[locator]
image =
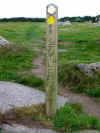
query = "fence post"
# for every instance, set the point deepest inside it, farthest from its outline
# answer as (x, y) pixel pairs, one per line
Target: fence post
(51, 60)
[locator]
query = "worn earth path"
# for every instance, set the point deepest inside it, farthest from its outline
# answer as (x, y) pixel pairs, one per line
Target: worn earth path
(89, 104)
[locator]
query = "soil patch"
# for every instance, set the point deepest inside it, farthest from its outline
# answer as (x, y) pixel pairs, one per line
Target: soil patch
(39, 69)
(66, 42)
(90, 106)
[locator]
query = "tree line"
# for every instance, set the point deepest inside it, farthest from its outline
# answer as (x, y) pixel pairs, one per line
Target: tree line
(22, 19)
(93, 19)
(72, 19)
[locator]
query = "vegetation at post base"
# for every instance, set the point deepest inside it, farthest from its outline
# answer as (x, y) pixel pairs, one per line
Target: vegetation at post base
(71, 118)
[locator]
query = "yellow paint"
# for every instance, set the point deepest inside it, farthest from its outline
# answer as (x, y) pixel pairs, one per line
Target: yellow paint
(51, 20)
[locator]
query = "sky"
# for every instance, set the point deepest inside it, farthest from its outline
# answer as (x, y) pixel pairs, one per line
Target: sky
(37, 8)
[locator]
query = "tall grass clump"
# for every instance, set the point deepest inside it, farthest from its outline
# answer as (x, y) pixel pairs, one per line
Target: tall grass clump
(69, 119)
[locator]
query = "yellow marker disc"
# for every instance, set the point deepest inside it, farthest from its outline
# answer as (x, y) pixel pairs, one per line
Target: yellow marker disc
(51, 20)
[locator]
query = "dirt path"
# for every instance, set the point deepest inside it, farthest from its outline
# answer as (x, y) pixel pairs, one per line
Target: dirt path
(90, 106)
(39, 70)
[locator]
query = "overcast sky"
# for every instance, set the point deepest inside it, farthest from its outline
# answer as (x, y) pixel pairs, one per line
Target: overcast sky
(37, 8)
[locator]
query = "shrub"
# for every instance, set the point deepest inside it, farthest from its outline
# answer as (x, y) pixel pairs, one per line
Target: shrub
(89, 122)
(68, 119)
(94, 92)
(32, 80)
(77, 107)
(79, 82)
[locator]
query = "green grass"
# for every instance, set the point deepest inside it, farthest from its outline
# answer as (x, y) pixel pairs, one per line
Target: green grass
(22, 32)
(73, 79)
(94, 92)
(15, 62)
(32, 80)
(72, 118)
(82, 44)
(16, 58)
(1, 130)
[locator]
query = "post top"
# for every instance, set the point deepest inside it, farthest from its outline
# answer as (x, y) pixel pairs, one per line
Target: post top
(52, 4)
(51, 8)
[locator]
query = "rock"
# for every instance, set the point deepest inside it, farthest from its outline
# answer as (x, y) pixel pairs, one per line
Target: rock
(3, 42)
(22, 129)
(89, 69)
(15, 128)
(64, 23)
(83, 68)
(16, 95)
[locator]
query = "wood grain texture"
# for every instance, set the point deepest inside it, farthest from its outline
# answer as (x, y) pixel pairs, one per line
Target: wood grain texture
(51, 66)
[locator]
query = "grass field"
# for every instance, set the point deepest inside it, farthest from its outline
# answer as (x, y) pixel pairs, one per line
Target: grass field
(81, 42)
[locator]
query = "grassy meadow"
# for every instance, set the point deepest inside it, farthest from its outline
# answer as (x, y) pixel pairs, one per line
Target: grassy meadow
(81, 44)
(80, 41)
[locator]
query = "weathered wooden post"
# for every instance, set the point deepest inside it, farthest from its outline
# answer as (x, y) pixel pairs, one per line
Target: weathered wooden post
(51, 60)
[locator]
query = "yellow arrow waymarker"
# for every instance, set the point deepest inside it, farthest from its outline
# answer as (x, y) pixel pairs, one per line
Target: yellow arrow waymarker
(51, 20)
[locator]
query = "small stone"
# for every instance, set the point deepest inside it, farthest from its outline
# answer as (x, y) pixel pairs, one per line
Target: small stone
(89, 69)
(3, 42)
(83, 68)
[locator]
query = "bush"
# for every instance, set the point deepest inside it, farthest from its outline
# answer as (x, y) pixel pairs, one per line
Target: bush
(68, 119)
(32, 80)
(79, 82)
(94, 92)
(1, 130)
(77, 107)
(6, 75)
(89, 122)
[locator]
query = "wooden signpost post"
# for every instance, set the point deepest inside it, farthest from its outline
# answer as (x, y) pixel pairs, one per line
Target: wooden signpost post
(51, 60)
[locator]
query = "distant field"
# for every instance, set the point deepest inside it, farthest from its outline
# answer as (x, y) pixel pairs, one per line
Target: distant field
(84, 37)
(81, 42)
